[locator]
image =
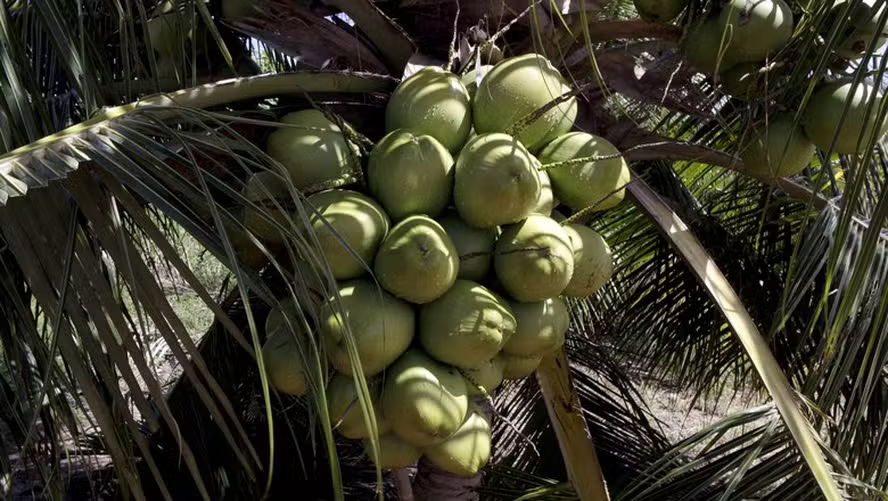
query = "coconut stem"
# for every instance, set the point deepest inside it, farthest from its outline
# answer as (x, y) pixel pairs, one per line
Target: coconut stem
(401, 479)
(590, 209)
(596, 158)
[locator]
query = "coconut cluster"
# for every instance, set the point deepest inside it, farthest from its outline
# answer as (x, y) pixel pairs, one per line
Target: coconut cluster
(733, 44)
(451, 268)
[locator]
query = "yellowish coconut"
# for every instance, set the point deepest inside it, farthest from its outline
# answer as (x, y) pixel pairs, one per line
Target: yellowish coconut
(284, 362)
(315, 151)
(380, 324)
(349, 227)
(593, 261)
(533, 259)
(519, 366)
(432, 101)
(599, 182)
(410, 174)
(487, 375)
(417, 261)
(474, 245)
(467, 450)
(496, 181)
(777, 150)
(516, 88)
(465, 326)
(269, 192)
(541, 327)
(394, 452)
(825, 109)
(426, 400)
(345, 408)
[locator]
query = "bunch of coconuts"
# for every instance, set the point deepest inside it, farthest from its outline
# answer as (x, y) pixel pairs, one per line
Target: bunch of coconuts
(450, 261)
(733, 45)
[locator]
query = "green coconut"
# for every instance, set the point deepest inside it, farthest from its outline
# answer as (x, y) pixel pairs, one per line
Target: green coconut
(345, 408)
(742, 80)
(473, 77)
(487, 375)
(546, 202)
(269, 191)
(593, 261)
(236, 9)
(432, 101)
(284, 362)
(247, 251)
(490, 54)
(705, 47)
(394, 452)
(314, 152)
(660, 11)
(516, 88)
(349, 227)
(426, 400)
(417, 261)
(861, 27)
(287, 315)
(468, 450)
(167, 31)
(826, 107)
(519, 366)
(594, 183)
(778, 150)
(473, 245)
(380, 324)
(533, 259)
(410, 174)
(465, 326)
(496, 181)
(541, 327)
(757, 28)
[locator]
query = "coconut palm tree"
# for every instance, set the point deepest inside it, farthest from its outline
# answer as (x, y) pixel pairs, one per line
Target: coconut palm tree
(128, 123)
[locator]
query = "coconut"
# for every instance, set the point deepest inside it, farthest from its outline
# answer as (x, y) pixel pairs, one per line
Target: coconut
(826, 107)
(541, 327)
(473, 245)
(465, 326)
(660, 11)
(167, 31)
(861, 27)
(496, 181)
(417, 261)
(394, 452)
(516, 88)
(345, 408)
(487, 375)
(268, 190)
(757, 28)
(248, 253)
(432, 101)
(236, 9)
(705, 47)
(741, 81)
(468, 450)
(519, 366)
(593, 261)
(473, 77)
(284, 363)
(425, 399)
(380, 325)
(349, 227)
(546, 202)
(410, 174)
(314, 152)
(533, 259)
(778, 150)
(596, 183)
(490, 54)
(287, 315)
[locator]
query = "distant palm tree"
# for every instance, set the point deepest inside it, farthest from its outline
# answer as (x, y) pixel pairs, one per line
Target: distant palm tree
(122, 120)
